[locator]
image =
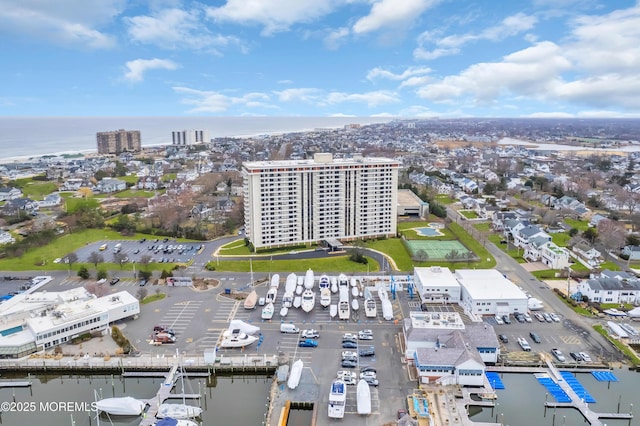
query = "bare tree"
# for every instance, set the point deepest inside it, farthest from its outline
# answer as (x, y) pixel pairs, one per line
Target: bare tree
(145, 259)
(71, 258)
(119, 258)
(95, 258)
(611, 234)
(96, 289)
(550, 217)
(141, 293)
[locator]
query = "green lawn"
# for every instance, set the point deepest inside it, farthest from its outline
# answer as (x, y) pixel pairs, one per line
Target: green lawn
(235, 248)
(394, 248)
(128, 178)
(444, 199)
(483, 227)
(36, 190)
(73, 204)
(469, 214)
(132, 193)
(580, 225)
(153, 298)
(612, 266)
(561, 239)
(332, 264)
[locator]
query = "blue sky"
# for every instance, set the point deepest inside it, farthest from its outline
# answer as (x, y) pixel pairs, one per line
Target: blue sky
(395, 58)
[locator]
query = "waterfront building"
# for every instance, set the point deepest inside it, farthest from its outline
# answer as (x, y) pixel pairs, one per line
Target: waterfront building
(436, 284)
(489, 292)
(307, 201)
(189, 137)
(37, 321)
(119, 141)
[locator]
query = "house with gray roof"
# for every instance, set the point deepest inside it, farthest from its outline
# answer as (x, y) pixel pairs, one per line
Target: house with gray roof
(605, 289)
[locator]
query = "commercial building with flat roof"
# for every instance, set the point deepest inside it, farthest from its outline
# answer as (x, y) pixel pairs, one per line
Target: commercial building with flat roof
(119, 141)
(489, 292)
(307, 201)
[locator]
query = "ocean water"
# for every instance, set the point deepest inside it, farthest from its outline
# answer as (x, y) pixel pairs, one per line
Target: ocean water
(22, 137)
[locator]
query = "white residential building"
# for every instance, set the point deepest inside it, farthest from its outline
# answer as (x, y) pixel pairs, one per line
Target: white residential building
(304, 201)
(488, 292)
(190, 137)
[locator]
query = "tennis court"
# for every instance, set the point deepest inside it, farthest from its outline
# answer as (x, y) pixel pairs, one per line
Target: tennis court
(436, 249)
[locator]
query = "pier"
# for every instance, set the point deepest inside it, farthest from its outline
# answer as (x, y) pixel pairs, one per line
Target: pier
(22, 384)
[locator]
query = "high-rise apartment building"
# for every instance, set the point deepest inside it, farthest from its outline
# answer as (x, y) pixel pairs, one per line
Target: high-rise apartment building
(301, 201)
(119, 141)
(189, 137)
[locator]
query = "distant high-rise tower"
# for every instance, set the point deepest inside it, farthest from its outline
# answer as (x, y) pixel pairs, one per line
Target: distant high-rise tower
(189, 137)
(119, 141)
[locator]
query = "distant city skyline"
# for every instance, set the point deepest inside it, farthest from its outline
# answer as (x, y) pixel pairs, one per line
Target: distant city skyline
(373, 58)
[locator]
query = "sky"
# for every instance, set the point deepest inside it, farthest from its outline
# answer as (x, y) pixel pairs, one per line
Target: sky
(386, 58)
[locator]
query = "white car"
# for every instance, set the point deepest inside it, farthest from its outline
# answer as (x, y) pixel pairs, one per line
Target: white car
(371, 375)
(310, 334)
(349, 336)
(558, 354)
(365, 335)
(554, 317)
(349, 355)
(527, 317)
(57, 260)
(499, 320)
(349, 377)
(585, 357)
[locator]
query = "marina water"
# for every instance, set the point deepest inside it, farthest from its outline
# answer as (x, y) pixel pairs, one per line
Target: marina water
(237, 400)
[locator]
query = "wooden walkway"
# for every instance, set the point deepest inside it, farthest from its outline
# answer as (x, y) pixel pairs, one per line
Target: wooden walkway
(164, 392)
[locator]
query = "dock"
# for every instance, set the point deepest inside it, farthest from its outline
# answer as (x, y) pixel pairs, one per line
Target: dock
(22, 384)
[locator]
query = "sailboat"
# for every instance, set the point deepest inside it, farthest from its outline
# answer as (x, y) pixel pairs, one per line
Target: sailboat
(179, 411)
(267, 311)
(308, 300)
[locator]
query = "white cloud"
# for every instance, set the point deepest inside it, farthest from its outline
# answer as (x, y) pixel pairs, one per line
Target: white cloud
(302, 94)
(273, 15)
(450, 45)
(67, 22)
(381, 73)
(391, 13)
(336, 37)
(372, 99)
(212, 101)
(176, 28)
(137, 68)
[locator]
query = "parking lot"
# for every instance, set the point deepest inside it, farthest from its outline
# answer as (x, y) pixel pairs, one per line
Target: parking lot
(159, 250)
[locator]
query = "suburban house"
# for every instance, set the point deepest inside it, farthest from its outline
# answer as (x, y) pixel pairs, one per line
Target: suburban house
(605, 289)
(631, 252)
(528, 234)
(6, 238)
(50, 200)
(587, 255)
(9, 193)
(109, 185)
(555, 257)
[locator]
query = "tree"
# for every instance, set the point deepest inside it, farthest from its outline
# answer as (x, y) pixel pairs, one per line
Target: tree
(145, 275)
(85, 192)
(101, 274)
(451, 256)
(573, 232)
(611, 234)
(83, 272)
(141, 293)
(632, 240)
(95, 258)
(119, 258)
(422, 255)
(590, 234)
(145, 259)
(71, 258)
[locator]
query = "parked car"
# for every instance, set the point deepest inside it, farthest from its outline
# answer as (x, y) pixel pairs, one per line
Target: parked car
(143, 283)
(163, 329)
(349, 355)
(519, 317)
(114, 281)
(558, 354)
(506, 319)
(308, 343)
(349, 336)
(348, 344)
(576, 356)
(371, 382)
(547, 317)
(365, 335)
(369, 374)
(554, 317)
(524, 344)
(499, 320)
(349, 363)
(539, 317)
(349, 377)
(310, 334)
(503, 338)
(535, 337)
(585, 357)
(366, 368)
(527, 317)
(370, 351)
(401, 413)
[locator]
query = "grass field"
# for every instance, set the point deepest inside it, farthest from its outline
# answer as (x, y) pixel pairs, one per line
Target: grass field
(333, 264)
(37, 189)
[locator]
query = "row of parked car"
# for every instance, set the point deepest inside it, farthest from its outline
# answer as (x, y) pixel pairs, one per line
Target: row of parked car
(526, 317)
(350, 341)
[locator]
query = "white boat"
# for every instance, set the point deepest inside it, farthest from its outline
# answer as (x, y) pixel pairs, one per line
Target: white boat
(178, 411)
(267, 311)
(534, 304)
(124, 406)
(343, 281)
(616, 329)
(168, 421)
(297, 302)
(308, 300)
(354, 292)
(354, 282)
(324, 282)
(243, 327)
(354, 304)
(387, 309)
(363, 397)
(334, 285)
(337, 399)
(284, 311)
(333, 311)
(275, 281)
(614, 312)
(236, 339)
(287, 300)
(370, 309)
(309, 279)
(343, 305)
(300, 280)
(296, 373)
(290, 284)
(325, 297)
(299, 290)
(251, 300)
(272, 295)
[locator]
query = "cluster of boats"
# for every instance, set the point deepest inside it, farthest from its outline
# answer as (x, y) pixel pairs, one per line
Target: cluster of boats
(299, 293)
(338, 398)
